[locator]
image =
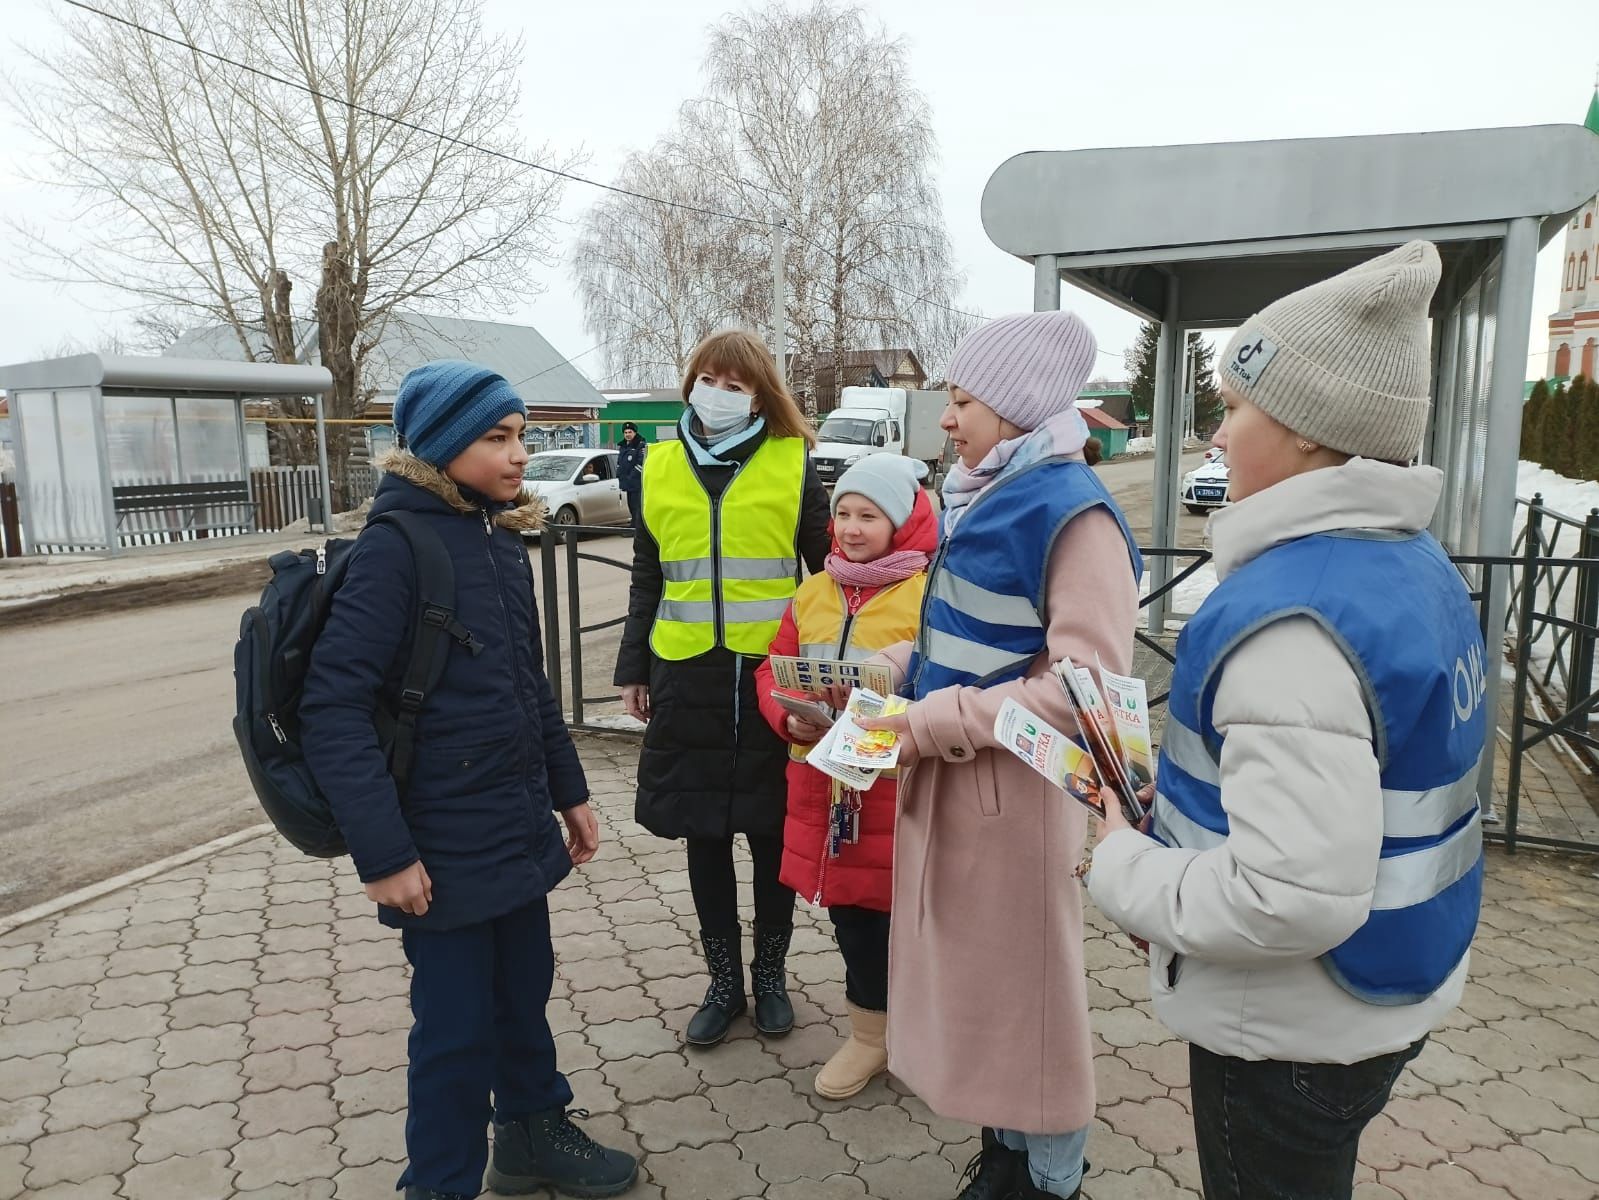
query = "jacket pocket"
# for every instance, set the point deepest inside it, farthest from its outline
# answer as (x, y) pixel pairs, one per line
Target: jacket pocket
(987, 784)
(1356, 1091)
(1165, 970)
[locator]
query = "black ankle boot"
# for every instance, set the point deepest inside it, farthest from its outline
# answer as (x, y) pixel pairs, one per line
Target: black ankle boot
(412, 1192)
(1026, 1189)
(995, 1171)
(774, 1015)
(547, 1150)
(724, 998)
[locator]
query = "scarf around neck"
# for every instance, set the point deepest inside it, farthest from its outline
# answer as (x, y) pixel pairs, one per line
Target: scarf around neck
(716, 454)
(1063, 434)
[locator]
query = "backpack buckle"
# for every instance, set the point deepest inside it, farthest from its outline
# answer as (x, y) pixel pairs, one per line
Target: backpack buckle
(411, 699)
(436, 617)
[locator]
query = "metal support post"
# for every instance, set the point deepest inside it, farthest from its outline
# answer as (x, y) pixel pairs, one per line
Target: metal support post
(1587, 615)
(1046, 283)
(323, 479)
(1168, 456)
(1513, 317)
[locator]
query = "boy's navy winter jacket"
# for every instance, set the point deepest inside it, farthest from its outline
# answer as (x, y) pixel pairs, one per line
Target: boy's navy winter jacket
(494, 760)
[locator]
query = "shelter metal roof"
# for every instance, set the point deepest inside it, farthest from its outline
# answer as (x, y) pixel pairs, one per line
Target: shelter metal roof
(125, 374)
(1239, 224)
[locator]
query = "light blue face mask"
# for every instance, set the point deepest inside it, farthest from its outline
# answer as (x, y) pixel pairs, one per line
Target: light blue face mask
(720, 412)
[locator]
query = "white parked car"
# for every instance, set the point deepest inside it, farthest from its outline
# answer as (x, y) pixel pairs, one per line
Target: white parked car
(579, 486)
(1206, 486)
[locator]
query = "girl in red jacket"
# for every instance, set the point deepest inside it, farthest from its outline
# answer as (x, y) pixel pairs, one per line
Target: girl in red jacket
(870, 596)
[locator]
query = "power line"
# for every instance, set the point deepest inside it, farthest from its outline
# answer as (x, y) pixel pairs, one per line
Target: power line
(556, 366)
(378, 114)
(400, 121)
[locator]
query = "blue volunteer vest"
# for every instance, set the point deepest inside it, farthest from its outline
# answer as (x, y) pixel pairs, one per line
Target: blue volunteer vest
(983, 614)
(1401, 614)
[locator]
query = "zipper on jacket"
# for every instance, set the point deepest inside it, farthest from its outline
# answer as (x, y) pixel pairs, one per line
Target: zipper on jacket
(505, 614)
(849, 621)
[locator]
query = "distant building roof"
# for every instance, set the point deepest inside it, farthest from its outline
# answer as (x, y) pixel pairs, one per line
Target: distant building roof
(538, 371)
(1098, 418)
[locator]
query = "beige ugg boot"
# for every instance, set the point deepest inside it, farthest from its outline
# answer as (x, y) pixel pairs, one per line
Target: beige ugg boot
(859, 1060)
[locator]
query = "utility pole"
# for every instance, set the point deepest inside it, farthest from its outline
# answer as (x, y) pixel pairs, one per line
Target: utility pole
(779, 298)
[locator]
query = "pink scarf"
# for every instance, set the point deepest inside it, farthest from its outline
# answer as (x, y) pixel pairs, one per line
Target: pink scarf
(880, 572)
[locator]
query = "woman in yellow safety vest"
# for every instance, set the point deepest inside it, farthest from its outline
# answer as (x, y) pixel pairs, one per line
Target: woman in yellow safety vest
(730, 508)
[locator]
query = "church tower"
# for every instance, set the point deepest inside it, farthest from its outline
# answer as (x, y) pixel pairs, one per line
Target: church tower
(1574, 329)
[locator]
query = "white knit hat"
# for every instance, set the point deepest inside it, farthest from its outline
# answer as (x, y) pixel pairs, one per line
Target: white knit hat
(887, 480)
(1347, 362)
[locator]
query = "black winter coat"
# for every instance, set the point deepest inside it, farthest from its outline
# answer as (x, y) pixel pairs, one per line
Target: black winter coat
(494, 759)
(710, 766)
(630, 464)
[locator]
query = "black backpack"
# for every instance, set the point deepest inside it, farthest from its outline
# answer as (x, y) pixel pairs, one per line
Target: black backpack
(274, 651)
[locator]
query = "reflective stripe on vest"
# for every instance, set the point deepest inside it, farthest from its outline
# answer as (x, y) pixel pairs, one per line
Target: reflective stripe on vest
(724, 582)
(982, 621)
(1411, 660)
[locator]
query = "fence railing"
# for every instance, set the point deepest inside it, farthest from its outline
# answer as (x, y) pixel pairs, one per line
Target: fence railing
(282, 495)
(1551, 631)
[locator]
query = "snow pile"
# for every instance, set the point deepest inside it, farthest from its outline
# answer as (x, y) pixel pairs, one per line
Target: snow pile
(1140, 446)
(1569, 497)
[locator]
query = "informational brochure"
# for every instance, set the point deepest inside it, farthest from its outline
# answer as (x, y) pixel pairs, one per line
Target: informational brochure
(867, 749)
(819, 674)
(1129, 713)
(1049, 752)
(820, 757)
(1098, 733)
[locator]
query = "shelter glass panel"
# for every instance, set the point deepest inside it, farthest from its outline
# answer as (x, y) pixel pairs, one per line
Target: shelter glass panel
(64, 494)
(208, 441)
(140, 440)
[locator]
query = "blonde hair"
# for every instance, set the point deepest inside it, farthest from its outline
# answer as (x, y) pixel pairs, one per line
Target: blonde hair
(742, 354)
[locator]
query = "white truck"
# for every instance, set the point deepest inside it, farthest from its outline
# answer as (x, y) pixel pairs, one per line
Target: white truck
(892, 420)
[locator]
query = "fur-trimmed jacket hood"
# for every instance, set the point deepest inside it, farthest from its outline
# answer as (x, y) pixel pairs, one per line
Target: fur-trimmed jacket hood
(526, 514)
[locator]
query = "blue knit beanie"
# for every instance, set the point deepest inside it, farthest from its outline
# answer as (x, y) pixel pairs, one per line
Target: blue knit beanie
(443, 407)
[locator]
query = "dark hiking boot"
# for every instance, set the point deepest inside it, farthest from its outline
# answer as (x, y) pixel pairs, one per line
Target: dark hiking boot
(724, 998)
(774, 1015)
(412, 1192)
(547, 1150)
(994, 1172)
(1026, 1189)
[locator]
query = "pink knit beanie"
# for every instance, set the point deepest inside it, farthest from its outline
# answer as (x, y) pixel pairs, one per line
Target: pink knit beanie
(1027, 367)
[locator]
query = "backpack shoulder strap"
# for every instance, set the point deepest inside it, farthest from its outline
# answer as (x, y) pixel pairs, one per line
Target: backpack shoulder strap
(433, 627)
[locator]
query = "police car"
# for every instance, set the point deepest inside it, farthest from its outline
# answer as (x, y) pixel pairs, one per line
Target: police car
(1206, 486)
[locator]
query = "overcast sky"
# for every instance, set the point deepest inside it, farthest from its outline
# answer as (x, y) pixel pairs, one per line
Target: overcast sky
(1002, 77)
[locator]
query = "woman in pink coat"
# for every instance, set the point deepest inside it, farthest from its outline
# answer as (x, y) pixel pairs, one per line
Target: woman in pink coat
(986, 949)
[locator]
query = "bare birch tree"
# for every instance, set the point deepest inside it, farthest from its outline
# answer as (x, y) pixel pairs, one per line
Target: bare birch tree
(809, 117)
(210, 192)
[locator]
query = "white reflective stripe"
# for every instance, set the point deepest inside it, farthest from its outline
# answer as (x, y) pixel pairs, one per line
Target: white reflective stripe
(759, 568)
(1410, 879)
(692, 611)
(1428, 813)
(995, 608)
(753, 612)
(1186, 749)
(685, 570)
(975, 658)
(1173, 827)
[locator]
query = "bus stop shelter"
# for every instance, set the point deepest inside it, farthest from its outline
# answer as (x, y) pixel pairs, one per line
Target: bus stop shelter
(1203, 236)
(116, 450)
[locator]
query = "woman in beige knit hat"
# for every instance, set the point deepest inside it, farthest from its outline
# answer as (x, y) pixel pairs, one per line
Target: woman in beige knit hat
(1310, 881)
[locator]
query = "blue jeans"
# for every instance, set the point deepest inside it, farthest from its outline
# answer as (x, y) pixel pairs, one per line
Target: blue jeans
(477, 995)
(1055, 1160)
(1286, 1130)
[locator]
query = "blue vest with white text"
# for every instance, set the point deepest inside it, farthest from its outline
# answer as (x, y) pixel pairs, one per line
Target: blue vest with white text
(983, 613)
(1400, 612)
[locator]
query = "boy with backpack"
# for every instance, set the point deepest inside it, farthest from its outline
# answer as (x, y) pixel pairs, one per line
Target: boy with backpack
(462, 861)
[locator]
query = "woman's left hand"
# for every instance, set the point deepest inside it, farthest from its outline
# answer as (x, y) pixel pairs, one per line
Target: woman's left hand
(900, 725)
(1115, 819)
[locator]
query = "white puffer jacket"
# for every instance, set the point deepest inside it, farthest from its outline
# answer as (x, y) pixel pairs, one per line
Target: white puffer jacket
(1235, 931)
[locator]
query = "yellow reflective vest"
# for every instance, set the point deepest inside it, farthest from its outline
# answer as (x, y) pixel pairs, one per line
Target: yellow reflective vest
(827, 630)
(728, 565)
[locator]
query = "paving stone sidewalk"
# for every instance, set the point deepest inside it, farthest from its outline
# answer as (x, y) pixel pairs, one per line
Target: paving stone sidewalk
(236, 1027)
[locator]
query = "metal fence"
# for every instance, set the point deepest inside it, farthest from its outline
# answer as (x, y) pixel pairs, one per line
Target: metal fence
(1551, 633)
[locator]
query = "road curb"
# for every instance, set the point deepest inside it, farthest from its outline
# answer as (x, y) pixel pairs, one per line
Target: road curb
(138, 875)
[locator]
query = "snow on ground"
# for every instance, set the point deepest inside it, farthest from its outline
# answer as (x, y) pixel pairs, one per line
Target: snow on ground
(1569, 497)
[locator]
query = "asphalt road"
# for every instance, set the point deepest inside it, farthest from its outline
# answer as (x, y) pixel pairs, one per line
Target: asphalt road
(115, 739)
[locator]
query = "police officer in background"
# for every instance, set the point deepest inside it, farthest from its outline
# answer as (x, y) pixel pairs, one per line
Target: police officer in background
(630, 467)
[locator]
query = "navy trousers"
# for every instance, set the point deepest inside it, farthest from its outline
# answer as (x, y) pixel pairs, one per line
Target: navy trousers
(477, 1000)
